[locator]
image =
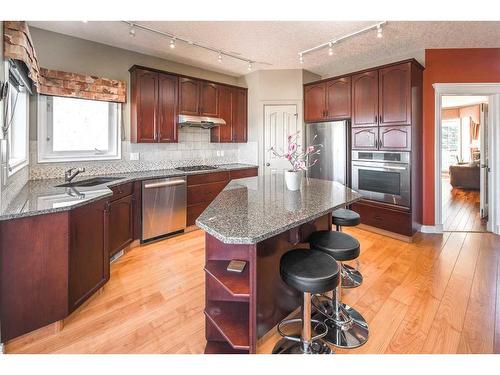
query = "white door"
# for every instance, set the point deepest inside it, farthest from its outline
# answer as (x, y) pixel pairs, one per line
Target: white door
(483, 150)
(279, 122)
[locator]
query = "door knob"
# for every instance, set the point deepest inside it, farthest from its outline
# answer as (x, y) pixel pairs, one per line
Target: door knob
(268, 164)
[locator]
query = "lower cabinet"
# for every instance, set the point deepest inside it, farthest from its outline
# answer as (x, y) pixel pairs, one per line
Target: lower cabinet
(88, 251)
(384, 217)
(121, 225)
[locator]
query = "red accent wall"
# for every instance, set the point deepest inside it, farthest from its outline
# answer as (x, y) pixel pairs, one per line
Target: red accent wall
(469, 65)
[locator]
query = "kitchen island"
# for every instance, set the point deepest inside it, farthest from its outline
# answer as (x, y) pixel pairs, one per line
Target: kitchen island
(257, 220)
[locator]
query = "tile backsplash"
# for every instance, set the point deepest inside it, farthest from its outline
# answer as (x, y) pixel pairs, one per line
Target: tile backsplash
(194, 147)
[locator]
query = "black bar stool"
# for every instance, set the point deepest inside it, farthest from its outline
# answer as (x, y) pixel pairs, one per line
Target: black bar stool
(351, 277)
(346, 327)
(309, 272)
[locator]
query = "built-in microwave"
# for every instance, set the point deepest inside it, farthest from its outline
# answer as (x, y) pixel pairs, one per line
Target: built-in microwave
(382, 176)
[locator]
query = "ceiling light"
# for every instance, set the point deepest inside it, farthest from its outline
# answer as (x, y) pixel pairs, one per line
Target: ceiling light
(379, 31)
(219, 58)
(330, 49)
(249, 65)
(131, 32)
(301, 58)
(172, 43)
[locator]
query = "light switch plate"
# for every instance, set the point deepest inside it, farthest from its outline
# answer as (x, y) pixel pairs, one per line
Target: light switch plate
(218, 152)
(134, 156)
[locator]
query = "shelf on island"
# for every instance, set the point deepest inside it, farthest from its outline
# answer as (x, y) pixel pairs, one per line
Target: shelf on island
(237, 284)
(218, 347)
(231, 320)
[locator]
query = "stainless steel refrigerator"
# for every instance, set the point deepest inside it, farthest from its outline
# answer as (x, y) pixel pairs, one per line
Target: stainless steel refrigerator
(333, 159)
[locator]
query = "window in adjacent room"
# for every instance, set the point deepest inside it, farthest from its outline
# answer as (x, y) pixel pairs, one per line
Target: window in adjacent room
(71, 129)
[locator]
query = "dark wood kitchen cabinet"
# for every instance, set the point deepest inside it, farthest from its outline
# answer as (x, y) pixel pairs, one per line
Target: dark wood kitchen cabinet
(365, 99)
(364, 138)
(315, 102)
(88, 251)
(233, 109)
(395, 95)
(209, 99)
(121, 225)
(189, 96)
(153, 108)
(394, 138)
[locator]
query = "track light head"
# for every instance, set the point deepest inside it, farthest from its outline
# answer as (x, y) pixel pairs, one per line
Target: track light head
(379, 31)
(301, 59)
(172, 43)
(330, 49)
(219, 58)
(249, 65)
(131, 32)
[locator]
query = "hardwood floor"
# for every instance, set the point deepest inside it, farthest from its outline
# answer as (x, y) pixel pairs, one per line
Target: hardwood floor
(461, 211)
(436, 295)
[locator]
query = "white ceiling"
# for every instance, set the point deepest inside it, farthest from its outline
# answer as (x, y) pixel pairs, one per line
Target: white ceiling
(462, 100)
(279, 42)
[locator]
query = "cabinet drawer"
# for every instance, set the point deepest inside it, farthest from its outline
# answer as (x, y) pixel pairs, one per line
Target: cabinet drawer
(204, 193)
(206, 178)
(242, 173)
(384, 218)
(194, 211)
(121, 191)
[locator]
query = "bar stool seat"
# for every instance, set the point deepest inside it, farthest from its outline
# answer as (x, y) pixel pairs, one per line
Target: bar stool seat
(345, 217)
(341, 246)
(310, 272)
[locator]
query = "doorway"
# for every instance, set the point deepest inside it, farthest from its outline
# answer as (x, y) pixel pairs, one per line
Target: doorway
(463, 153)
(467, 139)
(280, 120)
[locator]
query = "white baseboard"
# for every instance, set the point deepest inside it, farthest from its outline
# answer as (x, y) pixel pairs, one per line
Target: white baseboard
(431, 228)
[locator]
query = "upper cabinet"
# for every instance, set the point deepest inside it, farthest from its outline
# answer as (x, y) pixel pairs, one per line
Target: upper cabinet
(365, 99)
(395, 95)
(189, 96)
(158, 98)
(338, 98)
(153, 106)
(315, 102)
(330, 100)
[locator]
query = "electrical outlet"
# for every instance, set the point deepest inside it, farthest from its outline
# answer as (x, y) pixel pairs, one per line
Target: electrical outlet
(222, 153)
(218, 152)
(134, 156)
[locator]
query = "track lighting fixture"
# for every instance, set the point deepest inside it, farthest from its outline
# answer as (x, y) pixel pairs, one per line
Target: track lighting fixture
(332, 42)
(173, 39)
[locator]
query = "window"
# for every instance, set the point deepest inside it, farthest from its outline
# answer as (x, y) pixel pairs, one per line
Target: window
(16, 122)
(451, 143)
(72, 129)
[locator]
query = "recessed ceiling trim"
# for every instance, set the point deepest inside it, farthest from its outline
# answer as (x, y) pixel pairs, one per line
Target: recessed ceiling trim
(173, 38)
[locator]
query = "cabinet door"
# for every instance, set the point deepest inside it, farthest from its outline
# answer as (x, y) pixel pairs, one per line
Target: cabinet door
(189, 96)
(365, 99)
(167, 108)
(120, 228)
(395, 95)
(338, 98)
(88, 254)
(239, 115)
(364, 138)
(224, 133)
(209, 98)
(147, 99)
(397, 138)
(314, 102)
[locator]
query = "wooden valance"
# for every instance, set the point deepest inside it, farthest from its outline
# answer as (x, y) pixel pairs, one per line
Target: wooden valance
(18, 45)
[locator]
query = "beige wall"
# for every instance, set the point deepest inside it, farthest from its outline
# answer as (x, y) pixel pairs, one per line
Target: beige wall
(272, 87)
(67, 53)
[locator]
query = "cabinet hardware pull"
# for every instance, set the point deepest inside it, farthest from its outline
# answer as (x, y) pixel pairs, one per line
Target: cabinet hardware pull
(375, 119)
(163, 184)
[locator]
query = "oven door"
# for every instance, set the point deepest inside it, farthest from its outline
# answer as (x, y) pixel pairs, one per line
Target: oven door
(384, 182)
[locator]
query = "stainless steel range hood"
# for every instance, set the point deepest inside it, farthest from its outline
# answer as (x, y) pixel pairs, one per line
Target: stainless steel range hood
(200, 121)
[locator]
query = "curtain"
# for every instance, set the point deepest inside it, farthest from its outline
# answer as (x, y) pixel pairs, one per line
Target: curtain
(474, 130)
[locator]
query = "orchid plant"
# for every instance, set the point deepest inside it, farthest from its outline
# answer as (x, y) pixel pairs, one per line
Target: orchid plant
(299, 159)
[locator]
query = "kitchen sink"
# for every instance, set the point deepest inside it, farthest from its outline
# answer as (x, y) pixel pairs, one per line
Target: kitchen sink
(90, 182)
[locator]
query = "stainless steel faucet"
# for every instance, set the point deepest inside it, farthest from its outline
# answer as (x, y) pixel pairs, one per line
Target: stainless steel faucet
(69, 174)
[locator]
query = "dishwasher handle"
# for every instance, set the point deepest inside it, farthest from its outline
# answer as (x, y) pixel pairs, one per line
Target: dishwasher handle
(160, 184)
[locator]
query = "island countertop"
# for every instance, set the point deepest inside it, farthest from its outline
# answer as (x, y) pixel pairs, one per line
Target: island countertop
(254, 209)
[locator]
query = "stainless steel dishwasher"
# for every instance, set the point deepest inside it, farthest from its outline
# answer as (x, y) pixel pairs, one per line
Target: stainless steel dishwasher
(163, 207)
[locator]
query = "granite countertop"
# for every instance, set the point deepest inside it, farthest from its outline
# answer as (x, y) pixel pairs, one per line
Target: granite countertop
(39, 197)
(252, 209)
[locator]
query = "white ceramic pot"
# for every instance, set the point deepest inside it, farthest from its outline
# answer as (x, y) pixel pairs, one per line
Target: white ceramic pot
(293, 180)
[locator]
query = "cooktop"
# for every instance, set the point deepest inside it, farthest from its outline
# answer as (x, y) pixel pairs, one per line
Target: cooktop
(195, 168)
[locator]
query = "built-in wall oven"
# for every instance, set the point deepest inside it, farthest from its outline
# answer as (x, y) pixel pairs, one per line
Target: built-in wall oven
(382, 176)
